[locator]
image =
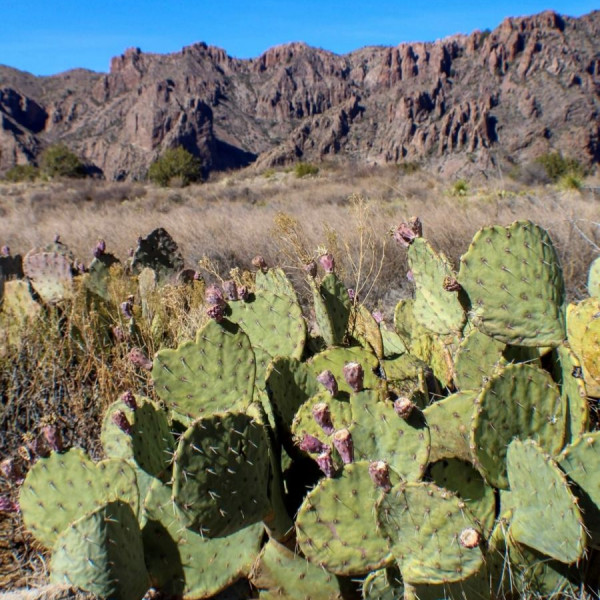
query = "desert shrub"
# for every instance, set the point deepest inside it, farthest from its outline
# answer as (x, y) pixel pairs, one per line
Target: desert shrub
(175, 166)
(59, 161)
(409, 167)
(556, 165)
(303, 169)
(460, 188)
(22, 173)
(570, 181)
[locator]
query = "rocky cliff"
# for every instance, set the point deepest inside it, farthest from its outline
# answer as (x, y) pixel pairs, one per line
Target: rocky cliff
(530, 86)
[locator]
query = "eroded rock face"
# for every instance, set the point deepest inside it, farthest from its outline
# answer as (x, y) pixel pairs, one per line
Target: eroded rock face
(530, 86)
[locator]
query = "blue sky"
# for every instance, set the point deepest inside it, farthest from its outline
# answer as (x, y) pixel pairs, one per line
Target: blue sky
(45, 37)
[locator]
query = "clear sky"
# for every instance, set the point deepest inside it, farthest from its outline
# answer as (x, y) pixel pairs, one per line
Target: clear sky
(50, 36)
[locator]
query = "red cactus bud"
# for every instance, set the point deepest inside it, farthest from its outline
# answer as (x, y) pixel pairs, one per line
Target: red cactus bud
(11, 470)
(404, 407)
(216, 312)
(260, 263)
(380, 474)
(243, 293)
(327, 262)
(325, 463)
(312, 444)
(322, 416)
(213, 296)
(129, 400)
(8, 506)
(100, 248)
(352, 295)
(53, 437)
(342, 440)
(451, 284)
(230, 290)
(405, 233)
(126, 309)
(139, 359)
(354, 375)
(469, 538)
(378, 316)
(120, 419)
(311, 269)
(327, 379)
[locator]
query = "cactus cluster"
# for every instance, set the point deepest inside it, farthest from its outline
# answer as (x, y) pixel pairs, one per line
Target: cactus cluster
(426, 459)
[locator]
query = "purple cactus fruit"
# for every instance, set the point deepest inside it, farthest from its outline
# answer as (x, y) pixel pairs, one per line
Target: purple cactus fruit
(5, 251)
(380, 474)
(8, 506)
(120, 419)
(327, 379)
(406, 233)
(230, 290)
(139, 359)
(197, 276)
(243, 293)
(260, 263)
(53, 438)
(213, 296)
(312, 444)
(311, 269)
(126, 309)
(410, 276)
(342, 440)
(378, 316)
(322, 416)
(216, 312)
(325, 463)
(451, 284)
(354, 375)
(129, 400)
(11, 470)
(327, 262)
(352, 295)
(404, 407)
(100, 248)
(469, 538)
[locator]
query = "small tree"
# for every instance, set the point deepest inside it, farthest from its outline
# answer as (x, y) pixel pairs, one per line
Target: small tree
(59, 161)
(175, 164)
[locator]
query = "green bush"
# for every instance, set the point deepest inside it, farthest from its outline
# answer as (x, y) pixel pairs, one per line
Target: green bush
(59, 161)
(570, 181)
(460, 188)
(303, 169)
(175, 165)
(22, 173)
(556, 165)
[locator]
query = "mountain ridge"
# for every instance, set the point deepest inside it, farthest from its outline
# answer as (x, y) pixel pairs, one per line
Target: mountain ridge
(486, 100)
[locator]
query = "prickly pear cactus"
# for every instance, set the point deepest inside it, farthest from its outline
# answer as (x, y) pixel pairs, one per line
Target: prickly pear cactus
(383, 584)
(102, 553)
(363, 327)
(515, 285)
(214, 373)
(593, 282)
(158, 251)
(50, 275)
(275, 280)
(332, 308)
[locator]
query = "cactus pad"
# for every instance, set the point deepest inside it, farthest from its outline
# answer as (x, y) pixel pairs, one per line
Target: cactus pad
(276, 281)
(515, 285)
(383, 584)
(521, 401)
(332, 308)
(214, 373)
(593, 282)
(336, 527)
(423, 524)
(477, 358)
(50, 275)
(218, 457)
(103, 554)
(541, 496)
(158, 251)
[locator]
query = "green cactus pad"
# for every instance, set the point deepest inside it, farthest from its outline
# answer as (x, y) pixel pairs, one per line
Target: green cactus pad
(590, 356)
(336, 527)
(434, 308)
(50, 275)
(279, 573)
(461, 478)
(363, 327)
(18, 303)
(98, 275)
(11, 267)
(523, 402)
(221, 474)
(186, 564)
(581, 462)
(63, 487)
(158, 251)
(449, 423)
(102, 553)
(423, 524)
(541, 495)
(276, 281)
(379, 433)
(593, 282)
(404, 321)
(332, 308)
(334, 359)
(515, 285)
(393, 344)
(477, 359)
(383, 584)
(214, 373)
(290, 383)
(273, 322)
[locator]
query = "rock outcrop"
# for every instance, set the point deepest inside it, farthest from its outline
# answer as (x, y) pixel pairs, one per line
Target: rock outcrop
(530, 86)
